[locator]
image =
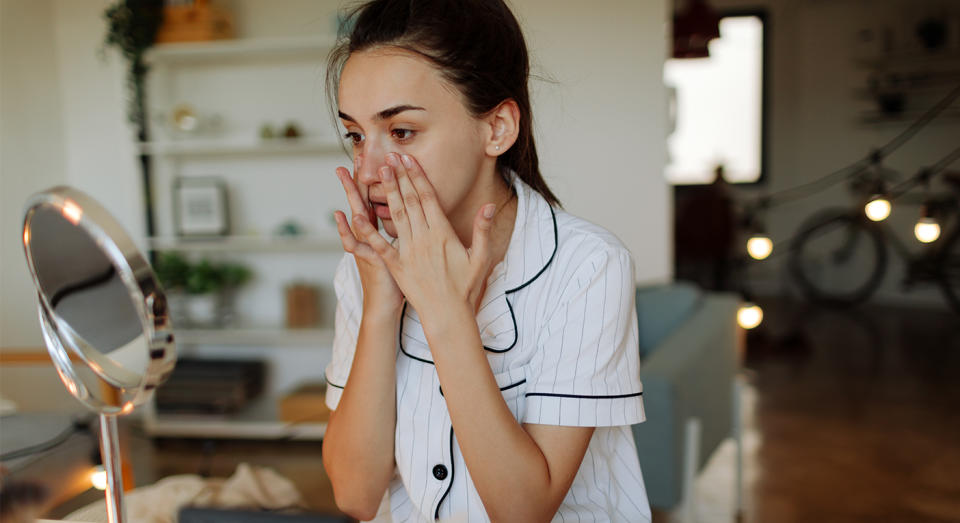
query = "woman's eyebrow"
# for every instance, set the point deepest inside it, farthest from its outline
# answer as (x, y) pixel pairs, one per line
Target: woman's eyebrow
(386, 113)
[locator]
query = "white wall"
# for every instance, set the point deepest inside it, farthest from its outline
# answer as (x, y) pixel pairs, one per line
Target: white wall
(31, 159)
(814, 120)
(31, 150)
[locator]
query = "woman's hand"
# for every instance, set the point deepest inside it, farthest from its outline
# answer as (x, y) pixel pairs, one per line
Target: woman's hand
(430, 264)
(380, 291)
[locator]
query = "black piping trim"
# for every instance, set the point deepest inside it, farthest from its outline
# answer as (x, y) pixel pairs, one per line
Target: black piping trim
(556, 242)
(332, 384)
(517, 384)
(615, 396)
(403, 313)
(508, 387)
(516, 334)
(436, 514)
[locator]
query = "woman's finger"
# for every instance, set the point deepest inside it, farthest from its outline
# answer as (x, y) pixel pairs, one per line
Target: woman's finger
(398, 212)
(411, 200)
(347, 238)
(368, 233)
(480, 243)
(354, 199)
(425, 191)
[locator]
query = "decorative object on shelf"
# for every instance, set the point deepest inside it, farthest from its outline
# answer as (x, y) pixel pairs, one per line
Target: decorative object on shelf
(267, 132)
(932, 33)
(184, 121)
(290, 228)
(200, 207)
(211, 386)
(302, 305)
(194, 21)
(305, 404)
(292, 130)
(132, 26)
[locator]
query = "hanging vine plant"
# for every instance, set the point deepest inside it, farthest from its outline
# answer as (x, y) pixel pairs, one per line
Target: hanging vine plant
(132, 27)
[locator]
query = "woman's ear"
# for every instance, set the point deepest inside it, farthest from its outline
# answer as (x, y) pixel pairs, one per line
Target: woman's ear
(504, 127)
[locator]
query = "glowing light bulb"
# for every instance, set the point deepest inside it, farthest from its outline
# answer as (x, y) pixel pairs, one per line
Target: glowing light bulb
(749, 316)
(927, 230)
(98, 477)
(759, 246)
(878, 208)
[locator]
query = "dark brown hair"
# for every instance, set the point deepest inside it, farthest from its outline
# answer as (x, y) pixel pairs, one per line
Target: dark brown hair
(477, 46)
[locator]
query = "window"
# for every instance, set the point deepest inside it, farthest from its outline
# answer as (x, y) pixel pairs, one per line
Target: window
(717, 106)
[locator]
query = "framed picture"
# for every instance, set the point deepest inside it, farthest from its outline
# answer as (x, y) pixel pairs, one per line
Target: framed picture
(200, 207)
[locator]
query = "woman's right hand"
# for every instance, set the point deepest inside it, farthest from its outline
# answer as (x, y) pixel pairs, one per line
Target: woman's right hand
(380, 291)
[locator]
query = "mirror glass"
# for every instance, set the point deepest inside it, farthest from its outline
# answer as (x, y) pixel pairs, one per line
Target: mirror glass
(100, 305)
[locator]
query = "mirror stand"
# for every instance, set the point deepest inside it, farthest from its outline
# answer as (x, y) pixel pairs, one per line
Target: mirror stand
(110, 453)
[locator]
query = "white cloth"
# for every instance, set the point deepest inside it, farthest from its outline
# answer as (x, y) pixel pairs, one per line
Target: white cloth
(249, 487)
(559, 326)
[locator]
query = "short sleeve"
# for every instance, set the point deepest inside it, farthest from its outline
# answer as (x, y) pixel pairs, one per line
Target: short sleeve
(346, 285)
(586, 370)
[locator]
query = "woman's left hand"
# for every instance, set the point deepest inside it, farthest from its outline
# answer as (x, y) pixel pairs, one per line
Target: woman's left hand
(430, 264)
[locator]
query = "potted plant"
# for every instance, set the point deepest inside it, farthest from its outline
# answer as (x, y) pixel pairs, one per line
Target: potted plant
(132, 27)
(201, 294)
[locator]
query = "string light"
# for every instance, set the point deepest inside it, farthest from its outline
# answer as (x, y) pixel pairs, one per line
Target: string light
(749, 316)
(759, 246)
(878, 208)
(927, 229)
(98, 477)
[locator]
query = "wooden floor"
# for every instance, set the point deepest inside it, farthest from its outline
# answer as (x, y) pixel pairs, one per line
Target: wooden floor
(855, 415)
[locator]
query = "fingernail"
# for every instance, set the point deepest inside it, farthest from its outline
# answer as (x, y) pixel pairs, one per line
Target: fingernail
(488, 211)
(392, 159)
(407, 161)
(386, 173)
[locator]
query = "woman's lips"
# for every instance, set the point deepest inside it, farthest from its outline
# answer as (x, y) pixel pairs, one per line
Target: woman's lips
(381, 210)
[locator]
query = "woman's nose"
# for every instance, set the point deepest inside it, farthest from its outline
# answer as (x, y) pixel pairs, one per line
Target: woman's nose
(368, 162)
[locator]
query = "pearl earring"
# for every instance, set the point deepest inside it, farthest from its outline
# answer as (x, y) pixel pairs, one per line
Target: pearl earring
(498, 147)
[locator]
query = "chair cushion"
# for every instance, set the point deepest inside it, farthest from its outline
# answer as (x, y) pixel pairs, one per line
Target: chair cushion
(661, 309)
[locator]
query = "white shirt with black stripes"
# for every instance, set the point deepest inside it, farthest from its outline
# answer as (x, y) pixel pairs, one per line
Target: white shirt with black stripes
(558, 323)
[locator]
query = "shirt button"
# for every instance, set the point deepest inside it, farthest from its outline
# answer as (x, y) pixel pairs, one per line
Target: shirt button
(440, 472)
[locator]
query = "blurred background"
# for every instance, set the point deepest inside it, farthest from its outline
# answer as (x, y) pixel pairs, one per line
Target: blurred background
(783, 171)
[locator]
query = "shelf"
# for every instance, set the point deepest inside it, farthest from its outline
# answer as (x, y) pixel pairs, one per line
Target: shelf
(260, 336)
(201, 147)
(909, 61)
(221, 50)
(247, 244)
(257, 421)
(907, 117)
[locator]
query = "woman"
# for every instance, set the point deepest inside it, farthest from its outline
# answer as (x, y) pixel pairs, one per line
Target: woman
(485, 361)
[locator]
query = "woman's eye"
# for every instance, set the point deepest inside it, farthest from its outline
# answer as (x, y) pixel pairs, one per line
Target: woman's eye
(355, 139)
(402, 135)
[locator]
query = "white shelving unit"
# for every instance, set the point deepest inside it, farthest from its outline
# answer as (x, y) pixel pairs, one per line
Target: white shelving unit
(247, 244)
(247, 83)
(264, 336)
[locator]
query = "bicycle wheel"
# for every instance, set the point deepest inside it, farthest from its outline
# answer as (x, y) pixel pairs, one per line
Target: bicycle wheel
(838, 258)
(948, 268)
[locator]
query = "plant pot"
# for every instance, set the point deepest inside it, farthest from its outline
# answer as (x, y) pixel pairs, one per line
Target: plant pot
(202, 309)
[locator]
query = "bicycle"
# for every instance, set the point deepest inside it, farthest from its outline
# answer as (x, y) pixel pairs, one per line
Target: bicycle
(840, 257)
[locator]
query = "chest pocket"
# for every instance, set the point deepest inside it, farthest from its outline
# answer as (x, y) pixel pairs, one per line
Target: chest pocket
(513, 386)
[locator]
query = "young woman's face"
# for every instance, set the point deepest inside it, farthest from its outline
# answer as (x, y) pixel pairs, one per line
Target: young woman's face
(391, 100)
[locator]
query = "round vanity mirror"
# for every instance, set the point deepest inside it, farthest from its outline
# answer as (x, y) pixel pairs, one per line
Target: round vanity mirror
(102, 312)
